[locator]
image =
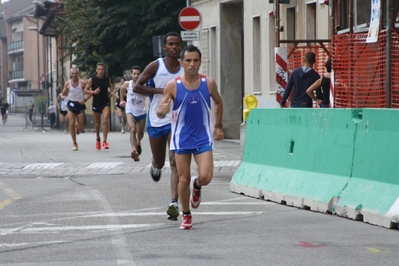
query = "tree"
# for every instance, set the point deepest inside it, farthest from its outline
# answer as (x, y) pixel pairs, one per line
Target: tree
(118, 33)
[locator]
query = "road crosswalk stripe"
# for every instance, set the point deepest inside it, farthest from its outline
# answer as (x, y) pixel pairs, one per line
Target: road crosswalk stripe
(41, 166)
(103, 165)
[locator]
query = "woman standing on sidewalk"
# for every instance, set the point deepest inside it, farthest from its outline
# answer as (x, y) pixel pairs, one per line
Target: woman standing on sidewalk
(4, 110)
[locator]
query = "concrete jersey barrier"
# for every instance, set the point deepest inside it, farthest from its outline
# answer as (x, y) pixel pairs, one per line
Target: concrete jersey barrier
(323, 160)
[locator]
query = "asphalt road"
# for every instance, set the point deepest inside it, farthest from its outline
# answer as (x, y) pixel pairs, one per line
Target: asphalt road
(60, 207)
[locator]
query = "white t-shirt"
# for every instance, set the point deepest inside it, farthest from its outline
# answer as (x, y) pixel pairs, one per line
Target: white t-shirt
(135, 103)
(161, 78)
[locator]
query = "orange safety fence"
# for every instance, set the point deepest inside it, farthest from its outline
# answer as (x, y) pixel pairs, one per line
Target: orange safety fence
(360, 71)
(296, 57)
(395, 71)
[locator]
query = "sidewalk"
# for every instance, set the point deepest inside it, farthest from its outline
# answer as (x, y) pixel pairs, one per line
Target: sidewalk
(32, 151)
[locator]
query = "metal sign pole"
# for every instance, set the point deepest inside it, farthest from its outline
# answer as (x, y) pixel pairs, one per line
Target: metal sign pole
(188, 4)
(388, 52)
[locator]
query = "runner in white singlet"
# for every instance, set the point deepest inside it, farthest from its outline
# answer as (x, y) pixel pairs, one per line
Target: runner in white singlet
(135, 113)
(158, 73)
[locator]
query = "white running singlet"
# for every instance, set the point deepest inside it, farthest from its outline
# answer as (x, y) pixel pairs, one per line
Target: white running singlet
(64, 104)
(135, 103)
(75, 94)
(161, 78)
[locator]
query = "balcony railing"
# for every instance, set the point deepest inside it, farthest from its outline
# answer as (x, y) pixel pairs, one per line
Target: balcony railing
(17, 74)
(14, 46)
(17, 66)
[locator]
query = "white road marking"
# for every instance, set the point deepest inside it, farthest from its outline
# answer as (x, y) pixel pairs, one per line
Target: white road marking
(103, 165)
(137, 214)
(112, 224)
(226, 163)
(215, 163)
(108, 227)
(41, 166)
(13, 245)
(238, 203)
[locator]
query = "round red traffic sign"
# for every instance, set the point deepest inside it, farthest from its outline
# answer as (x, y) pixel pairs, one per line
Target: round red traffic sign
(189, 18)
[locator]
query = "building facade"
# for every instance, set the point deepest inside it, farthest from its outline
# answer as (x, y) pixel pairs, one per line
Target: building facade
(28, 58)
(238, 40)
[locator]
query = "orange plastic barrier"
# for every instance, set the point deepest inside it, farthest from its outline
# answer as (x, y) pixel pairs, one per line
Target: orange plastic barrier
(360, 71)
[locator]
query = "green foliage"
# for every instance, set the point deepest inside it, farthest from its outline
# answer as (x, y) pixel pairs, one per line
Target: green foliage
(41, 104)
(118, 33)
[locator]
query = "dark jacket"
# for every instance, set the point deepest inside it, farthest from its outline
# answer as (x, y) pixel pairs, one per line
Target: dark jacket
(300, 81)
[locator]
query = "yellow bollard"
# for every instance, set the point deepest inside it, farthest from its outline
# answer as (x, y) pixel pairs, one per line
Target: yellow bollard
(250, 102)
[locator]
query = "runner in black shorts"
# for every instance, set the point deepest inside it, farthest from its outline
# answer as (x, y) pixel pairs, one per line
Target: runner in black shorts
(100, 87)
(73, 89)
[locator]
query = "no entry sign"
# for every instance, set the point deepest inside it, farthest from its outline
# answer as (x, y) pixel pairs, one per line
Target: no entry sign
(189, 18)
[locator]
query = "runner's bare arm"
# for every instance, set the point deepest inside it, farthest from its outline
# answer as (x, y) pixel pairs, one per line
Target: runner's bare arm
(218, 134)
(123, 90)
(169, 93)
(147, 74)
(65, 90)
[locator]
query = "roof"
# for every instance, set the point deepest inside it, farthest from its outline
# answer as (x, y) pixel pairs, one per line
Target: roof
(19, 9)
(51, 10)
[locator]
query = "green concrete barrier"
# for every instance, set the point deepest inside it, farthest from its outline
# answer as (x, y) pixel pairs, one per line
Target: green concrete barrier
(372, 195)
(320, 159)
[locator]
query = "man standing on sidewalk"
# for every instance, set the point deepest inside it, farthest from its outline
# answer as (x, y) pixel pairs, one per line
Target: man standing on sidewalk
(192, 129)
(300, 80)
(100, 87)
(51, 112)
(30, 107)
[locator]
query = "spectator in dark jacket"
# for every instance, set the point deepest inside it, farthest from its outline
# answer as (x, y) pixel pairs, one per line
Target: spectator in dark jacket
(300, 80)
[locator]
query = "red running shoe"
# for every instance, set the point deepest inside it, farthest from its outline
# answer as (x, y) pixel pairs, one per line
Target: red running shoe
(195, 198)
(186, 223)
(98, 144)
(105, 145)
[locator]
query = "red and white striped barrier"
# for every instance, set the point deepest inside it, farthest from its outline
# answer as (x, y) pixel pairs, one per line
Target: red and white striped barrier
(281, 54)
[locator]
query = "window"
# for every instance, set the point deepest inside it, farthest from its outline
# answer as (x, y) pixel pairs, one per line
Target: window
(257, 55)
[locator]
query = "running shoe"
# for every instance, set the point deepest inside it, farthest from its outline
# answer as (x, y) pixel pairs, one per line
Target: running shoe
(139, 149)
(135, 156)
(195, 198)
(98, 144)
(105, 145)
(122, 130)
(65, 132)
(186, 223)
(155, 173)
(173, 211)
(75, 147)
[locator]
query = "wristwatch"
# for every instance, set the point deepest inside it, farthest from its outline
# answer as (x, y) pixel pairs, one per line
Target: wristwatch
(218, 125)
